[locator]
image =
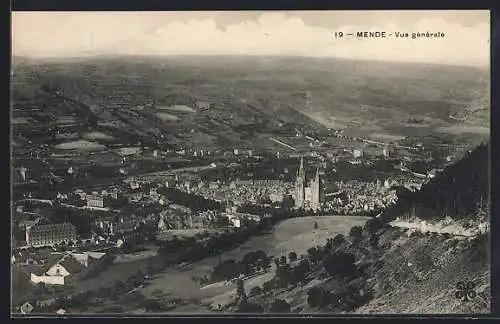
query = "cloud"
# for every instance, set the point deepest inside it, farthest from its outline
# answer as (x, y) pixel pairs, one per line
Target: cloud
(272, 33)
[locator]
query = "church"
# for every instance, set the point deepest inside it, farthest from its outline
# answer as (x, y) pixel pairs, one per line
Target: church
(307, 197)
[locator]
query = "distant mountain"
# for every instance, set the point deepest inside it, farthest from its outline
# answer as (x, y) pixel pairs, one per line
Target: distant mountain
(365, 98)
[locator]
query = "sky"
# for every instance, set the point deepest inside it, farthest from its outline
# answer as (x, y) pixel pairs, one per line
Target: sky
(291, 33)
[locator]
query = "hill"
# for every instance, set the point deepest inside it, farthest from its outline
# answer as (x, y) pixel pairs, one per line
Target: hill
(461, 192)
(252, 98)
(385, 269)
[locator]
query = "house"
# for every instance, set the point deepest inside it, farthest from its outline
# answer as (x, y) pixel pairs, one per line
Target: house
(95, 201)
(62, 266)
(202, 105)
(432, 173)
(60, 311)
(29, 223)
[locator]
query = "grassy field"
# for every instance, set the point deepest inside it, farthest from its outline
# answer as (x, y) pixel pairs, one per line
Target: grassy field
(296, 234)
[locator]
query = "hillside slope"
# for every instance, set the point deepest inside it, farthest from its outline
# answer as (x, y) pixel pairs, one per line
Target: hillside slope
(384, 269)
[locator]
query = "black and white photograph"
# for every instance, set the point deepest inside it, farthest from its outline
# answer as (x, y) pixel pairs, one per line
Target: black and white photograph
(259, 163)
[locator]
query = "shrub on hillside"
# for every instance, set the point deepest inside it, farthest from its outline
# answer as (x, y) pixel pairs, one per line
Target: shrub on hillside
(351, 298)
(255, 291)
(356, 233)
(250, 308)
(338, 240)
(340, 264)
(284, 275)
(301, 270)
(268, 286)
(373, 225)
(317, 297)
(227, 270)
(374, 238)
(280, 306)
(315, 255)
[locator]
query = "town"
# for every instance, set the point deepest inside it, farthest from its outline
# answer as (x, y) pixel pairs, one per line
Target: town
(209, 173)
(68, 233)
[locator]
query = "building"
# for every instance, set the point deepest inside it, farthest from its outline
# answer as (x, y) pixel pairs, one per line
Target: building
(386, 153)
(95, 201)
(299, 185)
(315, 186)
(62, 266)
(357, 153)
(307, 196)
(47, 235)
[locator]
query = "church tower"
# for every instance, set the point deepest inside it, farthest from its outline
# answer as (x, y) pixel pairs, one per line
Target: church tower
(299, 185)
(316, 191)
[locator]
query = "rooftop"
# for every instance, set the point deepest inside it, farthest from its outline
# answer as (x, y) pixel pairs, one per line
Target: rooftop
(52, 228)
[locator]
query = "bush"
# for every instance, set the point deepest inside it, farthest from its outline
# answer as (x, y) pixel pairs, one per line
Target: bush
(302, 270)
(255, 291)
(351, 298)
(250, 308)
(317, 297)
(292, 256)
(314, 254)
(284, 274)
(338, 240)
(280, 306)
(339, 264)
(374, 238)
(356, 233)
(373, 225)
(268, 285)
(227, 270)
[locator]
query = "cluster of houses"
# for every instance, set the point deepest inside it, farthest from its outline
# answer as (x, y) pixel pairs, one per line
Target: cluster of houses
(59, 268)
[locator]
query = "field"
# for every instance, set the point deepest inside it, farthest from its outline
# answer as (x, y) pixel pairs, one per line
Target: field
(80, 145)
(293, 234)
(180, 108)
(246, 105)
(167, 117)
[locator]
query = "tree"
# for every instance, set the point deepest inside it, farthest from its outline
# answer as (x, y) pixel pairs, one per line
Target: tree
(340, 264)
(152, 305)
(372, 225)
(302, 270)
(280, 306)
(374, 240)
(268, 286)
(227, 270)
(250, 308)
(255, 291)
(41, 286)
(356, 233)
(283, 273)
(292, 256)
(338, 240)
(240, 291)
(317, 297)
